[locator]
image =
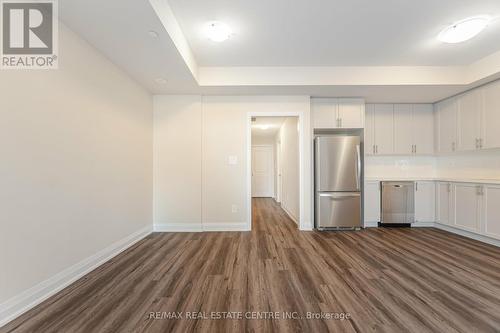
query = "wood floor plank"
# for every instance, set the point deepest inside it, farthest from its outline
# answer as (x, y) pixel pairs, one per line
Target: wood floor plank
(386, 280)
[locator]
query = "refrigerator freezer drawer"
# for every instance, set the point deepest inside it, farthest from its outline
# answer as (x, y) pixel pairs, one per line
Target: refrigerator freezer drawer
(338, 210)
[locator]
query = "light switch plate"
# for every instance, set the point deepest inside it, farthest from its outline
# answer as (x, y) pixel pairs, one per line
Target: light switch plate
(232, 160)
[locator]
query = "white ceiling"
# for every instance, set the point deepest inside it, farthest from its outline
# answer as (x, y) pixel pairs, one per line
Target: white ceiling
(282, 32)
(335, 32)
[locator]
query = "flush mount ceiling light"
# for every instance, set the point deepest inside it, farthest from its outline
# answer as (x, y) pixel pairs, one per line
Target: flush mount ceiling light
(264, 127)
(217, 31)
(464, 30)
(153, 34)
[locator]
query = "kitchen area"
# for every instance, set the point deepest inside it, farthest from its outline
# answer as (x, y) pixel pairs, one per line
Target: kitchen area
(424, 165)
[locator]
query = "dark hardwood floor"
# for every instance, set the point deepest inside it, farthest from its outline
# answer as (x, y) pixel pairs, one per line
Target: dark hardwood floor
(385, 280)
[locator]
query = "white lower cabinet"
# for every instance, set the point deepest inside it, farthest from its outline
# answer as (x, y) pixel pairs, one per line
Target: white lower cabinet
(372, 201)
(444, 207)
(467, 206)
(425, 201)
(491, 211)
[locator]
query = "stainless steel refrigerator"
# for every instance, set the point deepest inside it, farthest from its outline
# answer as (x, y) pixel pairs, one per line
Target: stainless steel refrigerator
(338, 180)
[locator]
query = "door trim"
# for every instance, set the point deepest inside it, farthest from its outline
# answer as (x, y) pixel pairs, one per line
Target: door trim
(303, 225)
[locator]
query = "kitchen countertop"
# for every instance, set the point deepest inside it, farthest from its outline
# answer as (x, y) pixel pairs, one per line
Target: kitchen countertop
(436, 179)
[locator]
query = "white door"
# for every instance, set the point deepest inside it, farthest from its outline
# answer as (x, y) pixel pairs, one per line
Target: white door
(491, 211)
(491, 115)
(425, 203)
(403, 138)
(444, 215)
(262, 171)
(372, 201)
(423, 129)
(467, 207)
(351, 112)
(469, 115)
(324, 112)
(384, 129)
(447, 124)
(369, 129)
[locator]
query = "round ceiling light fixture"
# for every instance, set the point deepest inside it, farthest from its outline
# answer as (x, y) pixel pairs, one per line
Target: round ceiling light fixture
(160, 80)
(464, 30)
(218, 31)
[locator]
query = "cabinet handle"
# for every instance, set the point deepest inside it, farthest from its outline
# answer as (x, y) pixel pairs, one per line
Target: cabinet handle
(340, 120)
(415, 149)
(416, 186)
(376, 149)
(477, 143)
(449, 187)
(480, 143)
(373, 149)
(453, 146)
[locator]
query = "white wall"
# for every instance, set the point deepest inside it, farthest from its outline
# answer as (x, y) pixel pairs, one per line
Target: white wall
(290, 176)
(76, 164)
(224, 134)
(177, 161)
(400, 167)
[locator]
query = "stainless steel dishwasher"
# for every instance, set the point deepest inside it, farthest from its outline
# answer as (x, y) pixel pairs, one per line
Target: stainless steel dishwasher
(398, 203)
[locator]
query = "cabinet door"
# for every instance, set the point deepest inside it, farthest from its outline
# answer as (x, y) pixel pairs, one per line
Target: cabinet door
(384, 129)
(324, 112)
(423, 128)
(351, 112)
(491, 211)
(466, 207)
(447, 125)
(369, 129)
(403, 138)
(425, 199)
(372, 201)
(469, 115)
(491, 115)
(443, 210)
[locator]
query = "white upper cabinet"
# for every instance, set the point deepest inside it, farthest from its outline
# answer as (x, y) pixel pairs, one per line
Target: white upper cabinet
(351, 112)
(491, 116)
(403, 129)
(425, 201)
(324, 112)
(469, 120)
(423, 129)
(338, 112)
(370, 129)
(383, 129)
(447, 125)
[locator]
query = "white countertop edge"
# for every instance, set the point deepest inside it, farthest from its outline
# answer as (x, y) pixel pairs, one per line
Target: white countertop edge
(451, 180)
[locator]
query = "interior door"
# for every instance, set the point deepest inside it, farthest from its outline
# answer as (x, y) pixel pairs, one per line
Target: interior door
(262, 171)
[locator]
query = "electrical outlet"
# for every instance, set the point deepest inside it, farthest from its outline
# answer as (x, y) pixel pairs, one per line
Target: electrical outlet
(234, 209)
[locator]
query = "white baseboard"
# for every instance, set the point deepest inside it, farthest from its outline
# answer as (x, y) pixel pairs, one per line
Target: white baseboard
(191, 227)
(19, 304)
(371, 224)
(468, 234)
(178, 227)
(423, 225)
(290, 215)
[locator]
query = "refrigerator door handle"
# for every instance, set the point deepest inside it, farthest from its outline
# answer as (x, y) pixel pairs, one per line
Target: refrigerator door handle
(340, 195)
(358, 167)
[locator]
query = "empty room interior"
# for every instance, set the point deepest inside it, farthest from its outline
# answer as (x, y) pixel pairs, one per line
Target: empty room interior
(250, 166)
